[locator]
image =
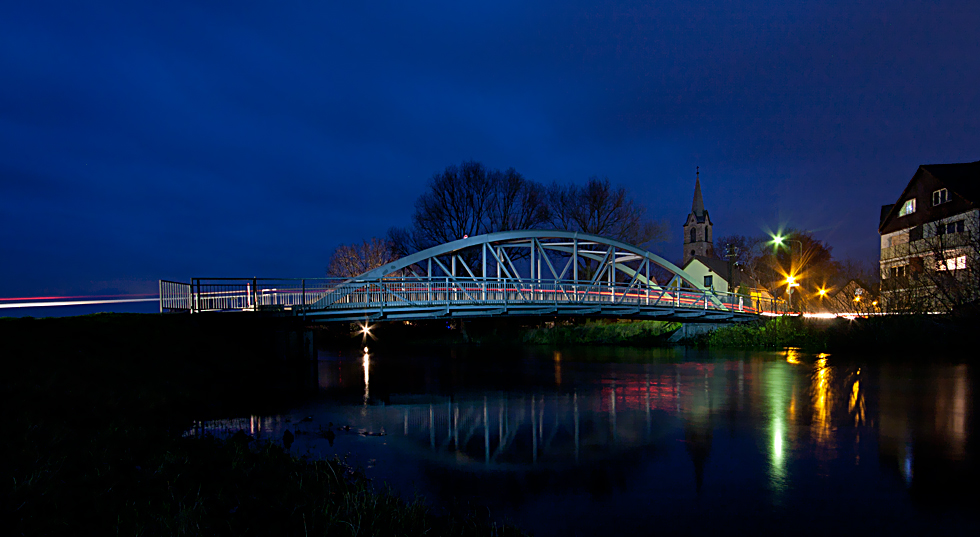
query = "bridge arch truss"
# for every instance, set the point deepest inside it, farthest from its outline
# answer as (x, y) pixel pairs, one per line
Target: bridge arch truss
(514, 273)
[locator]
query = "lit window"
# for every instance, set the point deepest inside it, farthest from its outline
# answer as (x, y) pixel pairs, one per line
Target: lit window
(899, 271)
(708, 280)
(940, 196)
(908, 207)
(956, 263)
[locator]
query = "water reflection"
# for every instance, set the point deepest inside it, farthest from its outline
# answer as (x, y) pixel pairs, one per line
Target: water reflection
(822, 398)
(641, 434)
(779, 394)
(366, 363)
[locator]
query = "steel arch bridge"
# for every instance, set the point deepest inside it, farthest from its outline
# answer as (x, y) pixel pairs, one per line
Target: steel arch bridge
(511, 273)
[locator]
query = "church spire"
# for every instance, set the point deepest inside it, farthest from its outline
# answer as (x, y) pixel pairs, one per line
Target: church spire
(698, 206)
(697, 228)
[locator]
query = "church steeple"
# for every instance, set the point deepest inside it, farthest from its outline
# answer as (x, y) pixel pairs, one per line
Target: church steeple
(697, 228)
(698, 206)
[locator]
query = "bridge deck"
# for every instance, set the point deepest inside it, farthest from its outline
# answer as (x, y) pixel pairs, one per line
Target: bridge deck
(326, 300)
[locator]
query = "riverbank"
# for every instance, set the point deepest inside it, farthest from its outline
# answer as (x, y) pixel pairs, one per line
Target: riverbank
(94, 440)
(885, 334)
(506, 332)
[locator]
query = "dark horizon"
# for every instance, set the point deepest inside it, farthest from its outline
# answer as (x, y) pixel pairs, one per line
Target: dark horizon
(146, 143)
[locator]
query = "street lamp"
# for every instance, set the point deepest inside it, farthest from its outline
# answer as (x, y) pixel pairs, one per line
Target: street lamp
(778, 240)
(790, 284)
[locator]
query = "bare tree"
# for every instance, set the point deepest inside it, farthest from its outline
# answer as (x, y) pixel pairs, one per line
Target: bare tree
(350, 260)
(517, 203)
(943, 270)
(468, 200)
(598, 208)
(745, 249)
(601, 209)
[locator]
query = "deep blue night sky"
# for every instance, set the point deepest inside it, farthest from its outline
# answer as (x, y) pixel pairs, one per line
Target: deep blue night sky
(250, 138)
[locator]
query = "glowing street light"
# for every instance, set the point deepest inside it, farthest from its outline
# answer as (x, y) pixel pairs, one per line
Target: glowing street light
(778, 240)
(790, 284)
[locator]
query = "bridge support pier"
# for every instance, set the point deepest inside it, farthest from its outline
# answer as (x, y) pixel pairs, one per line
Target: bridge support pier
(294, 343)
(690, 330)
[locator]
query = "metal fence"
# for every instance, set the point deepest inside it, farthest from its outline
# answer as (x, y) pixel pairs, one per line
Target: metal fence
(175, 296)
(332, 295)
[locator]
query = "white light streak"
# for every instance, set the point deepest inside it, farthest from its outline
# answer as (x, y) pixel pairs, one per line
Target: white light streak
(73, 303)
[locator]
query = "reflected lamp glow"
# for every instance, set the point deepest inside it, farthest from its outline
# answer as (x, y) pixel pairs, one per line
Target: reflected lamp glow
(778, 382)
(366, 362)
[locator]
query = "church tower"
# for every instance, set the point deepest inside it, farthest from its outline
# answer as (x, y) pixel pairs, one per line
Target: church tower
(697, 229)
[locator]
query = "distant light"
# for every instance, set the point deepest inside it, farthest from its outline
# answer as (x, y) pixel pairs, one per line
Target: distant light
(365, 350)
(823, 292)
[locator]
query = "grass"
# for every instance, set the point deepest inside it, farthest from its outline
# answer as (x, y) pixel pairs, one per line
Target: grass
(95, 410)
(898, 333)
(635, 333)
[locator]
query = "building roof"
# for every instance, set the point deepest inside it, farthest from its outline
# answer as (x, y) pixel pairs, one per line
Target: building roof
(720, 267)
(885, 210)
(964, 178)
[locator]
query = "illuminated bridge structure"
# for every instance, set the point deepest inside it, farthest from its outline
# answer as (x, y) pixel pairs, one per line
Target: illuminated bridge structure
(515, 273)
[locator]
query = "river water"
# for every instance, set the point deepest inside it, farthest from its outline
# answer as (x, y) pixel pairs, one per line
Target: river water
(587, 441)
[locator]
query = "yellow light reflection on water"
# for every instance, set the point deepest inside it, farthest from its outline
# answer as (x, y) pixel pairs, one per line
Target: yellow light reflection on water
(366, 362)
(822, 398)
(557, 368)
(793, 355)
(855, 405)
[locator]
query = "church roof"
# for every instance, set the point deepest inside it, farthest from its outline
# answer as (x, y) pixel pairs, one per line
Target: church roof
(698, 206)
(721, 268)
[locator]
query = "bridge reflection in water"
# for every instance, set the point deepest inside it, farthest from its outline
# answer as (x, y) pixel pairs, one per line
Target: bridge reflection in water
(516, 429)
(630, 433)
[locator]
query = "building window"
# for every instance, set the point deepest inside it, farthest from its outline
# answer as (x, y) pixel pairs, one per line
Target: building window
(694, 235)
(708, 281)
(955, 263)
(916, 265)
(940, 196)
(915, 233)
(952, 227)
(907, 208)
(898, 272)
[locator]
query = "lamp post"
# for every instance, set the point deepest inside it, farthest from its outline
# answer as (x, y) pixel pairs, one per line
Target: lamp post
(779, 240)
(791, 282)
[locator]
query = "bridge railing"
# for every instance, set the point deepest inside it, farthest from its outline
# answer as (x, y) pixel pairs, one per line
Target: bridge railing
(175, 296)
(324, 294)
